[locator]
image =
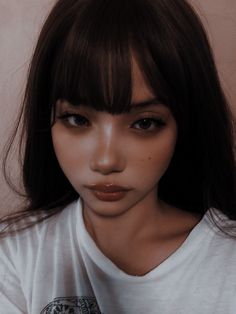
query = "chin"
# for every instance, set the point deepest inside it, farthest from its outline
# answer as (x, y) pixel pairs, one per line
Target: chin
(106, 209)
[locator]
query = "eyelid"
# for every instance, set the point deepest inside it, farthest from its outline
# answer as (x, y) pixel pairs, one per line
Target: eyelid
(158, 113)
(151, 115)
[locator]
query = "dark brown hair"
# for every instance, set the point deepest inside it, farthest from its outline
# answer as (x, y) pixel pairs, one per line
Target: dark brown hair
(84, 54)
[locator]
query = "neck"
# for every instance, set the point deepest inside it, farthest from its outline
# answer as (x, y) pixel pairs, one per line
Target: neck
(142, 237)
(131, 226)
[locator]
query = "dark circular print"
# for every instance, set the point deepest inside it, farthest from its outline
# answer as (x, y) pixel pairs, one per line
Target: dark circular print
(72, 305)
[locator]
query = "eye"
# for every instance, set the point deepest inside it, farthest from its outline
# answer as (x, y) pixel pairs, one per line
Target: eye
(149, 124)
(74, 120)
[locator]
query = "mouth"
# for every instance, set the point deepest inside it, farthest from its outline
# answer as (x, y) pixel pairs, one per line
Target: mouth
(107, 188)
(108, 192)
(109, 196)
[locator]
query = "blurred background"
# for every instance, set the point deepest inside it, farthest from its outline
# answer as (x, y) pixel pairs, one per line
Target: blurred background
(20, 23)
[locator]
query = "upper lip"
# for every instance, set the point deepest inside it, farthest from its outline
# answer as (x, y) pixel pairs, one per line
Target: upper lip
(107, 187)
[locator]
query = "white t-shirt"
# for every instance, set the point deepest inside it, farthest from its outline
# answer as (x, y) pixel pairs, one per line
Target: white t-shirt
(56, 267)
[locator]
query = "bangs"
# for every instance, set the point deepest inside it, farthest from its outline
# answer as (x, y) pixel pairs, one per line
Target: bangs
(93, 65)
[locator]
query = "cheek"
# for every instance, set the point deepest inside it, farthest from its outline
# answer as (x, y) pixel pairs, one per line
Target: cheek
(153, 163)
(157, 153)
(165, 151)
(66, 151)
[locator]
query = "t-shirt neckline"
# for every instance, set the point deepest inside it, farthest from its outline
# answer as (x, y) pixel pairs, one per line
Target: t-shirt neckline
(93, 252)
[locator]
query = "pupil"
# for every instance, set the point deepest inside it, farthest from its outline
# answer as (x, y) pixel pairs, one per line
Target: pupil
(80, 120)
(145, 123)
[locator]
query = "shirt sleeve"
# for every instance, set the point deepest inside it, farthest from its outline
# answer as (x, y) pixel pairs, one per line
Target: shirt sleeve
(12, 299)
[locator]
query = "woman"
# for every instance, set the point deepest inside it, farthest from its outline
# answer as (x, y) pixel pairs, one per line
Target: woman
(129, 167)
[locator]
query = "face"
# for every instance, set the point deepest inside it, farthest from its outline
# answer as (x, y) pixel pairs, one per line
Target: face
(132, 150)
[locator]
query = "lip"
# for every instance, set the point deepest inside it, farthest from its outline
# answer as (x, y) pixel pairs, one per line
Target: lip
(108, 192)
(109, 196)
(107, 188)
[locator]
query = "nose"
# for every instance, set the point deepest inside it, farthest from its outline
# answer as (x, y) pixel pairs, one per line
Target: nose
(108, 154)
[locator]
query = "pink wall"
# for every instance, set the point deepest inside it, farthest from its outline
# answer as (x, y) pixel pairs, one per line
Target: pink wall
(19, 25)
(219, 19)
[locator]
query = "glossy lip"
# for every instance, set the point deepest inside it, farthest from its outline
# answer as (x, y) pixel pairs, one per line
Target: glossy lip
(107, 188)
(110, 196)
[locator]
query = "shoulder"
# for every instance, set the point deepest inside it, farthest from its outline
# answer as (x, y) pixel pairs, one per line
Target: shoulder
(24, 243)
(220, 245)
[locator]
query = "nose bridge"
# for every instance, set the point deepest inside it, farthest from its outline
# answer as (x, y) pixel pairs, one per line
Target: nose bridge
(107, 153)
(106, 139)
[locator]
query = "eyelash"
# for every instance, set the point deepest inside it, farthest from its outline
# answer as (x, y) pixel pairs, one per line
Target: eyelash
(158, 122)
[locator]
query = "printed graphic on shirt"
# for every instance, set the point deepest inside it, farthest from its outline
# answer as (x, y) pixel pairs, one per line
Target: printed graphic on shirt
(72, 305)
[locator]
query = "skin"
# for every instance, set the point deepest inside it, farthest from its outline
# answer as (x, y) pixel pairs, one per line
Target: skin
(117, 149)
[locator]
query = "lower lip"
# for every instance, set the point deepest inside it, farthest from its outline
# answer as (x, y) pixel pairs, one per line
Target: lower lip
(110, 196)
